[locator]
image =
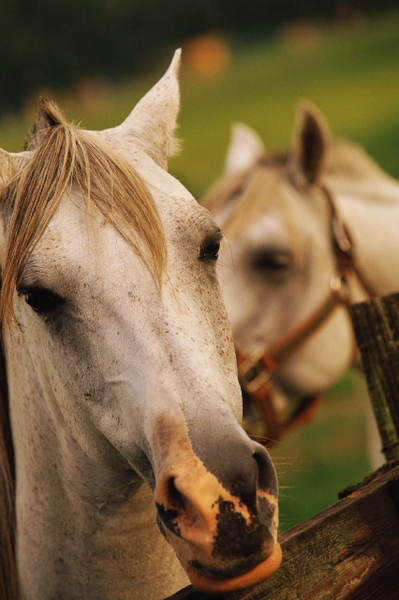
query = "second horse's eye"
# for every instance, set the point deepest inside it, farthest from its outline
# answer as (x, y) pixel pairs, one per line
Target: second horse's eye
(42, 300)
(271, 261)
(210, 250)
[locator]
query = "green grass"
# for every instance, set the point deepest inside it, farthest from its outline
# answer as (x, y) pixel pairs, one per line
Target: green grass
(352, 74)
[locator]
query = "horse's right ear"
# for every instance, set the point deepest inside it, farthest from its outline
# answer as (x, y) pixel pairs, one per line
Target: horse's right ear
(310, 143)
(244, 150)
(152, 123)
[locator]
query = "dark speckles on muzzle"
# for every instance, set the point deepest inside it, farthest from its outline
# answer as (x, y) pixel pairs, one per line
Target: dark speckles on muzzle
(235, 538)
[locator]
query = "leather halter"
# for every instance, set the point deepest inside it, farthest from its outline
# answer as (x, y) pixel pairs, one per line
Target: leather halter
(256, 370)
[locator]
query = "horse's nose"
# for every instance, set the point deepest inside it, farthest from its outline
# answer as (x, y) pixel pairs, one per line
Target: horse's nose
(241, 465)
(230, 511)
(216, 499)
(245, 476)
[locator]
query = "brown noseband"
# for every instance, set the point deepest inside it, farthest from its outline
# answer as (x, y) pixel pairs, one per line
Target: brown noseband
(256, 370)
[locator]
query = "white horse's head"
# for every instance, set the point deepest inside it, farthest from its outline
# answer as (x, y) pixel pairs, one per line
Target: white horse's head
(119, 349)
(278, 267)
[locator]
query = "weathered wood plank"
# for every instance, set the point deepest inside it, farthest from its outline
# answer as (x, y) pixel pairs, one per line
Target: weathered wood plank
(376, 325)
(350, 551)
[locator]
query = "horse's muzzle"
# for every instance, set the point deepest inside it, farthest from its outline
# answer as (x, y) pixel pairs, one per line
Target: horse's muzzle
(216, 506)
(222, 543)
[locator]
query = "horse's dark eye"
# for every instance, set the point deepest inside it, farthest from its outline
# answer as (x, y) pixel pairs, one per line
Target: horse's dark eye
(237, 192)
(210, 250)
(275, 261)
(42, 300)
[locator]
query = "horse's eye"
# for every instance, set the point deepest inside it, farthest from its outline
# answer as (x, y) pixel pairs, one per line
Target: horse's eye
(42, 300)
(275, 261)
(237, 192)
(210, 250)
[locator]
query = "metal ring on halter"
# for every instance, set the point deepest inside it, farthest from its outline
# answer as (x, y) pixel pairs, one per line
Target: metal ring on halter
(339, 285)
(259, 380)
(336, 283)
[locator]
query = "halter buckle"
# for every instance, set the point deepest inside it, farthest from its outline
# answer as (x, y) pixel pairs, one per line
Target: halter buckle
(255, 370)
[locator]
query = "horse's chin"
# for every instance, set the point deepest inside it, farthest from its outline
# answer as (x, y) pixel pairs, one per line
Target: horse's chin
(224, 584)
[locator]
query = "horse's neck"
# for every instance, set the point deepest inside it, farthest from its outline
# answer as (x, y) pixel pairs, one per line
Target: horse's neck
(370, 208)
(84, 531)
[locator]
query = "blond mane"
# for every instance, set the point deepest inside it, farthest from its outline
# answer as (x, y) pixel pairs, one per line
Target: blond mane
(65, 158)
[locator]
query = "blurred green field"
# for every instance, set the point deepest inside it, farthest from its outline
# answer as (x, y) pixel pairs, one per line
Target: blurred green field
(351, 72)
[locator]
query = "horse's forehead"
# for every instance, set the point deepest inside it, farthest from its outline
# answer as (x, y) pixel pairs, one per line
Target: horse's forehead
(270, 228)
(79, 234)
(286, 220)
(261, 189)
(72, 217)
(292, 208)
(73, 237)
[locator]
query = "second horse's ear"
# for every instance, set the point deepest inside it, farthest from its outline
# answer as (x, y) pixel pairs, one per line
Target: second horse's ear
(309, 147)
(244, 150)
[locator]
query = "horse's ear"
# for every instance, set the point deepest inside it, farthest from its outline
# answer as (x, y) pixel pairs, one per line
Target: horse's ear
(244, 150)
(49, 115)
(311, 140)
(152, 123)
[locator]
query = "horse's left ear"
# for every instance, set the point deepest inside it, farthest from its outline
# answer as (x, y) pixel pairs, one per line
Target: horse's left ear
(152, 122)
(48, 115)
(308, 152)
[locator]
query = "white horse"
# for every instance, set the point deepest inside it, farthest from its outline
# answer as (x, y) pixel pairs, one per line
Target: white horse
(121, 373)
(308, 231)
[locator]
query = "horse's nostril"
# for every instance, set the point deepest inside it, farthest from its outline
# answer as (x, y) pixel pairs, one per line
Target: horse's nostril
(170, 503)
(267, 477)
(174, 497)
(244, 487)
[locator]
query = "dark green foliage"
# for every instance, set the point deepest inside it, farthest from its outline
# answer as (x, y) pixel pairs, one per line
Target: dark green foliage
(56, 42)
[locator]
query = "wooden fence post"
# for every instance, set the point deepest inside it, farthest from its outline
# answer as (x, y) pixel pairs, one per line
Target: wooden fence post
(376, 325)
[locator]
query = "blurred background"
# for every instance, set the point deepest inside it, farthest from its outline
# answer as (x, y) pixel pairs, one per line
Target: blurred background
(243, 60)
